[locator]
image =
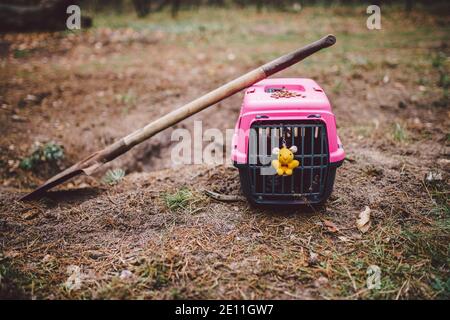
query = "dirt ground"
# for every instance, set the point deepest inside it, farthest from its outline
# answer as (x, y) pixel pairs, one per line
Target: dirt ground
(155, 234)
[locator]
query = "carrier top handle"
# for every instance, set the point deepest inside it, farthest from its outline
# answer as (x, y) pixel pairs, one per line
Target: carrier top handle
(94, 161)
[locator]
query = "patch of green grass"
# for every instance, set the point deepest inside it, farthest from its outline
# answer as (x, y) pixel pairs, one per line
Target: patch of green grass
(337, 87)
(423, 81)
(438, 60)
(12, 281)
(154, 273)
(50, 152)
(442, 286)
(413, 259)
(176, 294)
(114, 289)
(114, 176)
(359, 62)
(427, 242)
(441, 210)
(25, 74)
(440, 63)
(128, 98)
(18, 53)
(399, 133)
(178, 200)
(444, 80)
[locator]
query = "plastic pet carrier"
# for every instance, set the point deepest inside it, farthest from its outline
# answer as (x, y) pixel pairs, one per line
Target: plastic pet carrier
(285, 143)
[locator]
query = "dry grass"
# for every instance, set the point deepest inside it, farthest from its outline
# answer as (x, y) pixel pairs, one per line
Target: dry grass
(155, 235)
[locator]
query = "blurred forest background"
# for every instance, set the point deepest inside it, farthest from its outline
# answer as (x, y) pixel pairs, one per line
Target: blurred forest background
(13, 12)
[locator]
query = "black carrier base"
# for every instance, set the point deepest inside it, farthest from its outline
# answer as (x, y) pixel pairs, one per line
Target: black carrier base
(310, 184)
(285, 199)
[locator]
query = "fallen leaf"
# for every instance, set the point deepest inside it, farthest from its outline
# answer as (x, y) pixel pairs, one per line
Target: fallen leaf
(363, 223)
(330, 226)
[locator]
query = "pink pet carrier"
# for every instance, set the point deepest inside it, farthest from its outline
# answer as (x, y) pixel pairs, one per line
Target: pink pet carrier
(294, 114)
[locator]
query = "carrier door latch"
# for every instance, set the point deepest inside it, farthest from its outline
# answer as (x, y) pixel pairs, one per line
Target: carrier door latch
(261, 116)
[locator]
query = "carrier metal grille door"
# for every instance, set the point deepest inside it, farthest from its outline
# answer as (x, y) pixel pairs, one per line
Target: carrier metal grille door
(308, 179)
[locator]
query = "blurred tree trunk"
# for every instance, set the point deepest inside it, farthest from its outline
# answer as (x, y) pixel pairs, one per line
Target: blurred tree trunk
(240, 3)
(49, 15)
(100, 5)
(175, 8)
(142, 7)
(409, 4)
(160, 5)
(219, 3)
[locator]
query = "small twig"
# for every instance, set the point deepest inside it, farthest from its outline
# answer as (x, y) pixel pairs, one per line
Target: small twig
(428, 191)
(351, 279)
(401, 288)
(224, 197)
(357, 294)
(111, 200)
(285, 292)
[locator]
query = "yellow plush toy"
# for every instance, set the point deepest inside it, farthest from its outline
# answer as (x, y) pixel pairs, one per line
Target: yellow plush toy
(286, 162)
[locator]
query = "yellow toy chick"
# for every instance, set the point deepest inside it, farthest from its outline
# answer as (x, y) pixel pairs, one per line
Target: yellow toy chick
(286, 162)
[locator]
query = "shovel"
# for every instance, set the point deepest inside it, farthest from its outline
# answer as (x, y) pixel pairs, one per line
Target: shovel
(94, 161)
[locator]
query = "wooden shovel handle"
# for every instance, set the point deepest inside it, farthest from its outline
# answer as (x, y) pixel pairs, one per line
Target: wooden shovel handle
(289, 59)
(214, 96)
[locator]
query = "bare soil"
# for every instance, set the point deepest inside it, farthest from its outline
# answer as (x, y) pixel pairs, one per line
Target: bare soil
(85, 90)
